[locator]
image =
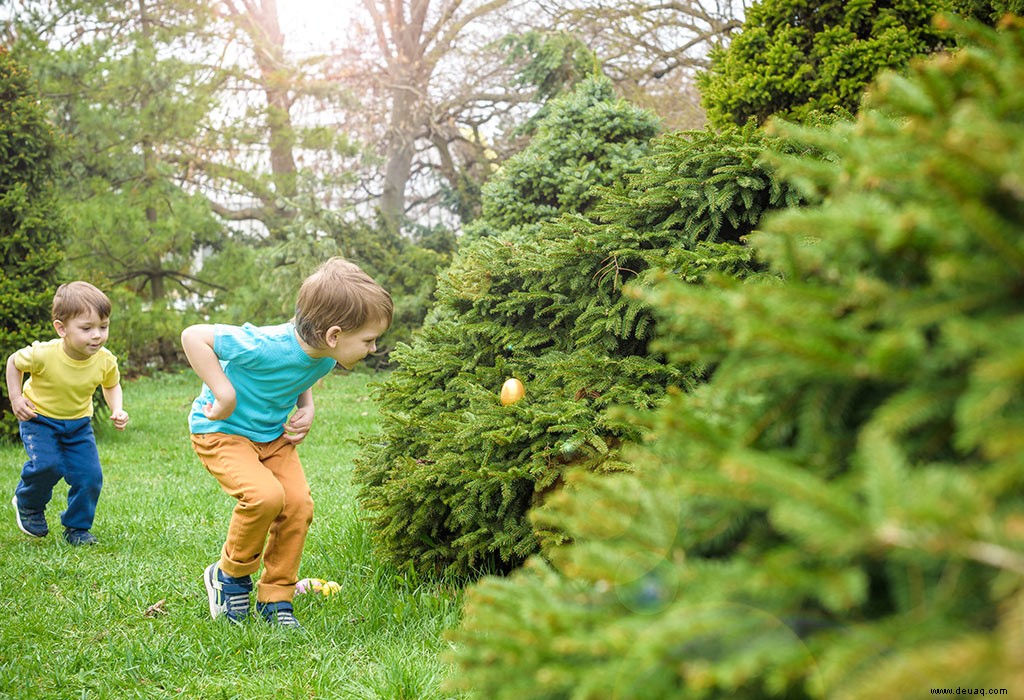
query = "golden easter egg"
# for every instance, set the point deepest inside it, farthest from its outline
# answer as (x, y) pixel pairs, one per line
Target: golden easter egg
(511, 391)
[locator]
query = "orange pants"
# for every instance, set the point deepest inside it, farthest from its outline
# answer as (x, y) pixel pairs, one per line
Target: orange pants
(273, 513)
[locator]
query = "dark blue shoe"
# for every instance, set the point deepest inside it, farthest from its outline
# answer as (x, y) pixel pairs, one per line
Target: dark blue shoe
(280, 614)
(31, 522)
(78, 538)
(229, 597)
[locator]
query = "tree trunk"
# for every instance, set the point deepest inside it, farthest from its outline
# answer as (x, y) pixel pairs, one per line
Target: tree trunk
(260, 22)
(400, 151)
(268, 42)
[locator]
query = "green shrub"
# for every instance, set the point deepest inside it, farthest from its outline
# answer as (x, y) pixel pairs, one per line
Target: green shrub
(794, 57)
(988, 11)
(145, 335)
(31, 225)
(450, 480)
(839, 509)
(583, 140)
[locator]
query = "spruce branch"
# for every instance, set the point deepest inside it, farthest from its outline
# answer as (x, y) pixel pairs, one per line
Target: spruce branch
(987, 553)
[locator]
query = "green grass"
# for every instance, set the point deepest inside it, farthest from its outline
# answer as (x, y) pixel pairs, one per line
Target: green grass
(73, 621)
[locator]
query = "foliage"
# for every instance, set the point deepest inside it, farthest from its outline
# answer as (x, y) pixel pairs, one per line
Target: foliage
(32, 226)
(839, 508)
(988, 11)
(793, 57)
(197, 130)
(142, 98)
(554, 61)
(408, 269)
(144, 335)
(126, 99)
(584, 139)
(451, 477)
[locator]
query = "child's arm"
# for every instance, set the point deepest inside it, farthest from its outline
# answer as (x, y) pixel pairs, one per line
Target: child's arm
(115, 400)
(197, 342)
(298, 425)
(22, 407)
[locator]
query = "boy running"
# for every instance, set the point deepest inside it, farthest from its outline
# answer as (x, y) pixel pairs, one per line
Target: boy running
(54, 407)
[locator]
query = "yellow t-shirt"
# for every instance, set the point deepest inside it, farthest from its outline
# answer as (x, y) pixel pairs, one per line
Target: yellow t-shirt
(61, 387)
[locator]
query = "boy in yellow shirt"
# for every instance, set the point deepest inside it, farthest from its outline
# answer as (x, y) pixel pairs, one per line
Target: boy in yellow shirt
(54, 407)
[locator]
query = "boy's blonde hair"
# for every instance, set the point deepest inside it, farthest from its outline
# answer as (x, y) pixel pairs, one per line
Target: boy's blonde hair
(339, 294)
(76, 299)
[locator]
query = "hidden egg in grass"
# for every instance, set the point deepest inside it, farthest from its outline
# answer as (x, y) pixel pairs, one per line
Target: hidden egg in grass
(317, 585)
(309, 585)
(511, 391)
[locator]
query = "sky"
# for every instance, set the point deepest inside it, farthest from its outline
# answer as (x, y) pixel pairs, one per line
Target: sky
(313, 24)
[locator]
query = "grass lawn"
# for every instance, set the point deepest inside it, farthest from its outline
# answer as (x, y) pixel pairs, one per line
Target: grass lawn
(74, 621)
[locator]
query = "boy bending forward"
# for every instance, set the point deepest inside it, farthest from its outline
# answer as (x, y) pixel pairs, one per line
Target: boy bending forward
(253, 377)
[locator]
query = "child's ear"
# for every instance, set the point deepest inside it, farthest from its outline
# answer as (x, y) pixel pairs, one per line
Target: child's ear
(59, 327)
(332, 335)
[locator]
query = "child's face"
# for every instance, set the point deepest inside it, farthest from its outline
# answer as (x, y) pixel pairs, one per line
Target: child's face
(349, 347)
(83, 335)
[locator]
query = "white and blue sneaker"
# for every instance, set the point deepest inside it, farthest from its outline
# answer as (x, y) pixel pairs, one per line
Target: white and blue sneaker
(279, 613)
(78, 538)
(229, 597)
(31, 522)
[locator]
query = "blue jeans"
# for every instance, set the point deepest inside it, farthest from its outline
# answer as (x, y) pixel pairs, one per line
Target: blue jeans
(61, 449)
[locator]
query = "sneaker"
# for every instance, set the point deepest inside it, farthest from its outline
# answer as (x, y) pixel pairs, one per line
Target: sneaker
(77, 537)
(30, 522)
(279, 613)
(228, 596)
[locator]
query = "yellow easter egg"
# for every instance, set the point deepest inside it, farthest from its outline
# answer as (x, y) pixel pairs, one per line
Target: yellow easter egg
(511, 391)
(330, 588)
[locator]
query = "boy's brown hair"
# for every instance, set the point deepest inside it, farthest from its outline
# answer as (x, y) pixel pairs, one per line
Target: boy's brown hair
(77, 299)
(340, 294)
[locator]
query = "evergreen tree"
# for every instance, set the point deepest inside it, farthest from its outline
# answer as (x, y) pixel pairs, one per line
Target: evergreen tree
(989, 11)
(449, 481)
(583, 140)
(127, 97)
(552, 61)
(794, 57)
(838, 510)
(31, 224)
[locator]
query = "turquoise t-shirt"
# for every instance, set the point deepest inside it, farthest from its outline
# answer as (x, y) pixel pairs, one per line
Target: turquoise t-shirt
(269, 370)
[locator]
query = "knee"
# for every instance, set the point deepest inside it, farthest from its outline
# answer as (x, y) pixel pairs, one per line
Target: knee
(94, 482)
(301, 508)
(267, 499)
(85, 474)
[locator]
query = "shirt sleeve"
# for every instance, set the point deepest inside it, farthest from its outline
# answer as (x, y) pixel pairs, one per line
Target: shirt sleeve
(238, 344)
(25, 359)
(111, 374)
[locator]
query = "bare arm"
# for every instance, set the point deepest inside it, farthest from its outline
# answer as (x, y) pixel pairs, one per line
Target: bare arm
(197, 342)
(22, 407)
(115, 400)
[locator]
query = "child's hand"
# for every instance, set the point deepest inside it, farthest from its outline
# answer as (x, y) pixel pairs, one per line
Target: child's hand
(218, 410)
(120, 419)
(23, 408)
(297, 427)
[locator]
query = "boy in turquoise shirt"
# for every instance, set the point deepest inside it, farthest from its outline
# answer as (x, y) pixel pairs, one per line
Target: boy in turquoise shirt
(245, 432)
